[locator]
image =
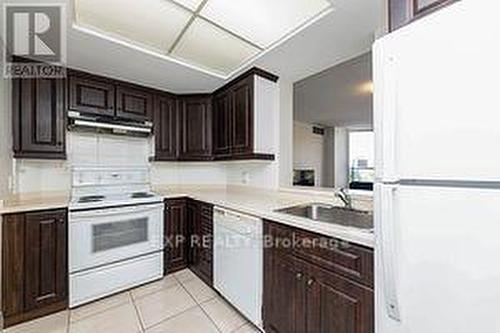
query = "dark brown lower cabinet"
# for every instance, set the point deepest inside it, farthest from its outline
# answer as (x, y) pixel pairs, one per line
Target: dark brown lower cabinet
(201, 258)
(176, 235)
(189, 233)
(305, 297)
(34, 265)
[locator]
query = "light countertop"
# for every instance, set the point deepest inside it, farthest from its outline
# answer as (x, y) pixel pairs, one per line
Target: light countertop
(253, 201)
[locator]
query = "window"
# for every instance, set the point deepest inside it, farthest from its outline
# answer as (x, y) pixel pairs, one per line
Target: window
(361, 160)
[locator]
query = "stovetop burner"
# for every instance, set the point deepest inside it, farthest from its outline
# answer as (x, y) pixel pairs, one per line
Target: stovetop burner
(91, 198)
(137, 195)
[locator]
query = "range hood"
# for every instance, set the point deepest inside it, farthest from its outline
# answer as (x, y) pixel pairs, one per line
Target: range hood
(86, 123)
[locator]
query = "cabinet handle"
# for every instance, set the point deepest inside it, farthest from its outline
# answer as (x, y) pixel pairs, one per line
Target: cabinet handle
(310, 282)
(299, 276)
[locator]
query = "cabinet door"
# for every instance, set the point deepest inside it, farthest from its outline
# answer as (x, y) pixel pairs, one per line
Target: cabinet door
(403, 12)
(166, 128)
(39, 118)
(222, 124)
(12, 265)
(134, 103)
(196, 123)
(284, 294)
(336, 304)
(91, 94)
(242, 117)
(46, 266)
(206, 232)
(176, 232)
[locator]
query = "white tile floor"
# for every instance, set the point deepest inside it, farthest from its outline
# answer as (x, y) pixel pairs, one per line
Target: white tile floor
(180, 303)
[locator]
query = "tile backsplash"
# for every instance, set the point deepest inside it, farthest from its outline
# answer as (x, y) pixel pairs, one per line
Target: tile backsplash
(98, 150)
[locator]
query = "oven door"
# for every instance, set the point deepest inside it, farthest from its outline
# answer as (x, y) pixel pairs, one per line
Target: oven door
(109, 235)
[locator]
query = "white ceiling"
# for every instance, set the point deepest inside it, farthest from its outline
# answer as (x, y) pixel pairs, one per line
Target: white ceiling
(339, 96)
(341, 34)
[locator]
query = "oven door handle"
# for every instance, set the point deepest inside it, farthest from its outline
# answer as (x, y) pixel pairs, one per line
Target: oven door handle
(116, 211)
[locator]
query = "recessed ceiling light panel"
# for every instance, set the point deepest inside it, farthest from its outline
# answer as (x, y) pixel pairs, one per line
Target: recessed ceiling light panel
(205, 45)
(263, 22)
(152, 23)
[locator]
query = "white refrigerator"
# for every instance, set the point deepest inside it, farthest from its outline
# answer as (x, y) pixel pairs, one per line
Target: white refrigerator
(437, 194)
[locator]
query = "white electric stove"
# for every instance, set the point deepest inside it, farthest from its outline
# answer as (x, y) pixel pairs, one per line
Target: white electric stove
(115, 232)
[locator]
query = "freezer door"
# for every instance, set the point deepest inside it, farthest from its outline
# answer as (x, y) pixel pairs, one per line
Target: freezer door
(436, 96)
(446, 251)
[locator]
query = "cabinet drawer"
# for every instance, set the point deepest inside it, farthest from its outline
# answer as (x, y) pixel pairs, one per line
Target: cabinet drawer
(350, 260)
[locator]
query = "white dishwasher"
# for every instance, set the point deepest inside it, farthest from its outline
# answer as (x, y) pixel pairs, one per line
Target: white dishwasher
(238, 261)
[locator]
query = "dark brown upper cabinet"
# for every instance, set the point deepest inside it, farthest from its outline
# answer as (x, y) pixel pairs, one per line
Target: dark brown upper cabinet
(222, 133)
(402, 12)
(244, 117)
(133, 103)
(195, 127)
(91, 94)
(39, 121)
(166, 132)
(34, 265)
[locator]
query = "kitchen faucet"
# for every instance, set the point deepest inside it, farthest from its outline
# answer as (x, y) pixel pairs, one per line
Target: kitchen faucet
(345, 197)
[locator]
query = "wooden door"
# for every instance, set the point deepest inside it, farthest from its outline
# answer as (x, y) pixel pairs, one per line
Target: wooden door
(39, 122)
(166, 128)
(134, 103)
(91, 94)
(222, 124)
(403, 12)
(242, 117)
(46, 265)
(176, 233)
(284, 294)
(336, 304)
(196, 124)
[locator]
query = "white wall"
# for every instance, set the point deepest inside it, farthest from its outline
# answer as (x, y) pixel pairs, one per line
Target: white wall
(308, 150)
(341, 157)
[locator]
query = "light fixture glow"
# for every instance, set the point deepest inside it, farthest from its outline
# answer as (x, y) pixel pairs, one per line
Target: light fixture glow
(366, 87)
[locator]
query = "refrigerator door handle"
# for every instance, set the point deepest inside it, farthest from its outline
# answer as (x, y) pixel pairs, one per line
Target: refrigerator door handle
(386, 226)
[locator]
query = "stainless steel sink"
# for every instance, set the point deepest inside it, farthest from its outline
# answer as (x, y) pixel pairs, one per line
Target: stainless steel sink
(332, 214)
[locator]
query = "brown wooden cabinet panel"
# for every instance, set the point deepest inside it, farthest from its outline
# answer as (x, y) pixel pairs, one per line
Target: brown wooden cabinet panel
(196, 128)
(284, 295)
(176, 234)
(222, 124)
(13, 265)
(335, 304)
(134, 103)
(46, 259)
(166, 128)
(402, 12)
(305, 293)
(91, 94)
(34, 265)
(201, 231)
(242, 117)
(39, 118)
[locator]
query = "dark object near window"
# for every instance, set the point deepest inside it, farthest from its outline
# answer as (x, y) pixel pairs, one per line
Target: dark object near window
(361, 186)
(318, 130)
(303, 177)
